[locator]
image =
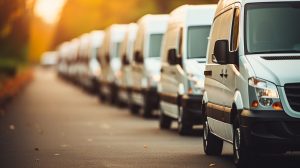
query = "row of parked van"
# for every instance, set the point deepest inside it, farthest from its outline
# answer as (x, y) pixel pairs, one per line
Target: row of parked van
(232, 67)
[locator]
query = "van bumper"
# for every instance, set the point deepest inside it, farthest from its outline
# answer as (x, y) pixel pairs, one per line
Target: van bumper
(270, 130)
(123, 93)
(151, 95)
(192, 105)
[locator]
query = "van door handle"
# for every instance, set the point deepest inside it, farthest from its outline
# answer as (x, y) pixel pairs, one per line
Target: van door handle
(225, 74)
(207, 73)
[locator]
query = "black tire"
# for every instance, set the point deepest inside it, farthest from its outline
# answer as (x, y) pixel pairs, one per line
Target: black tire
(95, 86)
(243, 155)
(134, 109)
(101, 97)
(185, 126)
(212, 144)
(147, 108)
(164, 121)
(113, 95)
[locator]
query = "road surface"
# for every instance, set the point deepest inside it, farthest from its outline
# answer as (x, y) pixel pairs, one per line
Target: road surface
(53, 123)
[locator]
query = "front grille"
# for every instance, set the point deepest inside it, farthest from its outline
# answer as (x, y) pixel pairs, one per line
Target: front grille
(292, 92)
(293, 127)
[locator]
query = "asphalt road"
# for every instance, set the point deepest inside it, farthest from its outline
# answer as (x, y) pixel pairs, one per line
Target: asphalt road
(52, 123)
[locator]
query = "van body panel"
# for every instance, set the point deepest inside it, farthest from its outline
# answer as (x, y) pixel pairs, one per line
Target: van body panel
(280, 72)
(110, 60)
(249, 89)
(145, 74)
(183, 82)
(126, 53)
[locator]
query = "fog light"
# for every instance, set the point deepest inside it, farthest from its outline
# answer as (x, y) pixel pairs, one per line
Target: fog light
(266, 101)
(254, 104)
(277, 106)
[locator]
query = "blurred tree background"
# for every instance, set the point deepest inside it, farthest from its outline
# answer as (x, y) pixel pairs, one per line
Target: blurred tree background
(24, 32)
(80, 16)
(14, 33)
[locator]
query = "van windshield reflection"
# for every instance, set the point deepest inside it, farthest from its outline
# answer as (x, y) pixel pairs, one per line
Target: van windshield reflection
(197, 41)
(155, 45)
(272, 28)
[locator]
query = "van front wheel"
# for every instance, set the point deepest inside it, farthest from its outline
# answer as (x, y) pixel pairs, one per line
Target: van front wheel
(164, 120)
(184, 124)
(242, 154)
(212, 144)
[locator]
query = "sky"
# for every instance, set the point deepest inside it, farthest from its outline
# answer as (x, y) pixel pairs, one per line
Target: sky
(49, 10)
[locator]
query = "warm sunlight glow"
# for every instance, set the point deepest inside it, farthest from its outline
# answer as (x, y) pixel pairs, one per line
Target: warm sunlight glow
(49, 10)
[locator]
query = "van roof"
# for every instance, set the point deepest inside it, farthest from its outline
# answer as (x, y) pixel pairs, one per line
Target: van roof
(131, 31)
(153, 18)
(154, 23)
(193, 14)
(224, 3)
(116, 32)
(96, 38)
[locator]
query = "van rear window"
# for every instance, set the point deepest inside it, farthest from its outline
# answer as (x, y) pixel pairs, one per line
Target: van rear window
(197, 41)
(155, 45)
(272, 27)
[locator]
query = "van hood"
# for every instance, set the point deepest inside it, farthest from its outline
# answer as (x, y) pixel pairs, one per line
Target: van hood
(153, 65)
(277, 69)
(196, 68)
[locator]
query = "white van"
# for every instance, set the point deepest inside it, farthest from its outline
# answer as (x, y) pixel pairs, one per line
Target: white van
(183, 61)
(94, 69)
(110, 61)
(62, 67)
(126, 52)
(83, 60)
(72, 60)
(146, 65)
(252, 82)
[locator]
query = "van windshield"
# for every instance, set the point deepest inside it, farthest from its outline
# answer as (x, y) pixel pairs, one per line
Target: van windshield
(116, 50)
(155, 45)
(197, 41)
(272, 28)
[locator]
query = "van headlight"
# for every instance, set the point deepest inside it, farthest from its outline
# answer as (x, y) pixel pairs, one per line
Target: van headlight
(266, 91)
(153, 80)
(196, 84)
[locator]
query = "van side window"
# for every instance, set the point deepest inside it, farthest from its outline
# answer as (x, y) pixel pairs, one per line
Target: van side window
(180, 42)
(235, 30)
(180, 46)
(221, 30)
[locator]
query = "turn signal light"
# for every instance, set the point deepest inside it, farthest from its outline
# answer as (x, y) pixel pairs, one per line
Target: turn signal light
(277, 106)
(254, 104)
(190, 91)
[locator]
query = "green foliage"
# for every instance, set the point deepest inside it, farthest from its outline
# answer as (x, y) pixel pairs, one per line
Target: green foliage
(14, 32)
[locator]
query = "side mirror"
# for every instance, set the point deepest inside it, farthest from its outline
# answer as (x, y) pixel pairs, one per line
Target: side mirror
(221, 51)
(98, 58)
(172, 56)
(125, 60)
(107, 58)
(138, 58)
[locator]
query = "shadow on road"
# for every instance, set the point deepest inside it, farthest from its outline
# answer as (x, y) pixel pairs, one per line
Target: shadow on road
(290, 160)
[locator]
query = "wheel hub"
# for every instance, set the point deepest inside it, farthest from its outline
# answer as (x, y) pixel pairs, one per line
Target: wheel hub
(237, 143)
(205, 133)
